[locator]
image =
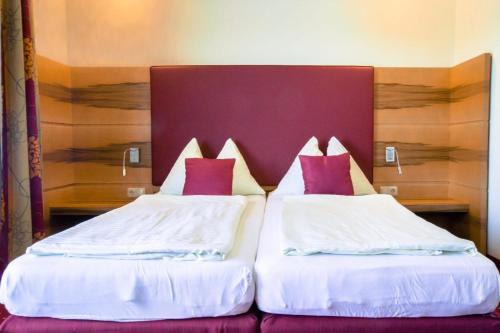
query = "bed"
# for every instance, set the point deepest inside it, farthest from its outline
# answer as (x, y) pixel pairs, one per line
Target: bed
(94, 289)
(368, 286)
(137, 290)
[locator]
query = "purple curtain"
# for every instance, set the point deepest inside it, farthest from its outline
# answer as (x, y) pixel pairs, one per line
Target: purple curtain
(4, 213)
(21, 218)
(32, 124)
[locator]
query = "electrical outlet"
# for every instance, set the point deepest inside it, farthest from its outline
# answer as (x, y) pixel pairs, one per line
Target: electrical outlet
(134, 192)
(390, 154)
(392, 190)
(134, 155)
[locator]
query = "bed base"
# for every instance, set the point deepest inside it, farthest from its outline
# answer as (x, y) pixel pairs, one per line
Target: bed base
(245, 323)
(269, 323)
(272, 323)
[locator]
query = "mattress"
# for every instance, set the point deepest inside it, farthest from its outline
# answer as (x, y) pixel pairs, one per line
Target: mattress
(369, 286)
(137, 290)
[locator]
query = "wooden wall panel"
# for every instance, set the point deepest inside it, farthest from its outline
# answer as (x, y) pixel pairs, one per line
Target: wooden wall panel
(92, 173)
(411, 95)
(474, 224)
(56, 118)
(468, 161)
(469, 131)
(470, 82)
(419, 190)
(111, 95)
(54, 95)
(438, 120)
(104, 192)
(89, 116)
(111, 113)
(85, 115)
(411, 114)
(56, 173)
(434, 171)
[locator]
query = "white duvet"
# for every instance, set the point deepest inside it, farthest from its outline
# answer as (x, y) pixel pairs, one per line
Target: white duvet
(370, 224)
(152, 227)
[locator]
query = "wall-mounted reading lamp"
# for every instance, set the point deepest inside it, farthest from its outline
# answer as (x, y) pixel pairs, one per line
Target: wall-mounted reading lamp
(391, 156)
(133, 158)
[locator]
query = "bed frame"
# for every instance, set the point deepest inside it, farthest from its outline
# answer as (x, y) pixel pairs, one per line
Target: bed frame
(270, 112)
(245, 323)
(272, 323)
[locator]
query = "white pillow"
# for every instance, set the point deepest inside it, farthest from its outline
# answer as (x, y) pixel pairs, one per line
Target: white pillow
(293, 182)
(243, 181)
(360, 183)
(174, 183)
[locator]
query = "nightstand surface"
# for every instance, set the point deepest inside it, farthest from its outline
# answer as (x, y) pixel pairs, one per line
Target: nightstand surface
(84, 208)
(435, 205)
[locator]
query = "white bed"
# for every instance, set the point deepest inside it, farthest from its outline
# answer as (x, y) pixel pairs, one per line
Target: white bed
(134, 290)
(369, 286)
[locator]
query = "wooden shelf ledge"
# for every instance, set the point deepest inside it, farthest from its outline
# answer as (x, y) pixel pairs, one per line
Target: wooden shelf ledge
(84, 208)
(435, 205)
(415, 205)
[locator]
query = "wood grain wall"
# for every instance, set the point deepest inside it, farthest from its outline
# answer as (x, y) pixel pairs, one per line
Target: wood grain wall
(469, 134)
(438, 119)
(91, 114)
(56, 117)
(411, 114)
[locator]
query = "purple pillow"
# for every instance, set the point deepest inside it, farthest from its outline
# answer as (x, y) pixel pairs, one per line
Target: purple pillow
(208, 176)
(327, 174)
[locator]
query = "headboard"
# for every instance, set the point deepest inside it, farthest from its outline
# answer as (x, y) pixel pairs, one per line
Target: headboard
(269, 111)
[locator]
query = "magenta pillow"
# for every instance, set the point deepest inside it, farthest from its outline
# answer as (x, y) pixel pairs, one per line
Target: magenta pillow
(327, 174)
(208, 176)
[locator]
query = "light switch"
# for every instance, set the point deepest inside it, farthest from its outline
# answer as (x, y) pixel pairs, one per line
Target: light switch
(390, 154)
(134, 155)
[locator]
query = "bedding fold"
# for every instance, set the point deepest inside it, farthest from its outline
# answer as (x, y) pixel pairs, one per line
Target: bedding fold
(153, 227)
(364, 225)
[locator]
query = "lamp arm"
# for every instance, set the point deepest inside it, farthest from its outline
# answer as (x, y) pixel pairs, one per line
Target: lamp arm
(400, 171)
(124, 170)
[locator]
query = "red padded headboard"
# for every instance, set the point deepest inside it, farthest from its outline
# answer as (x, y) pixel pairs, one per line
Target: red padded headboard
(269, 111)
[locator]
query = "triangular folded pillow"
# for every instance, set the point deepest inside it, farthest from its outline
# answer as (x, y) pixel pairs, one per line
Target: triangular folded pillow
(174, 183)
(293, 182)
(243, 181)
(360, 183)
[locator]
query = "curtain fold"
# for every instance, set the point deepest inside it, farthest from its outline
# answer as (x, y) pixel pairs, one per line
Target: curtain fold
(21, 219)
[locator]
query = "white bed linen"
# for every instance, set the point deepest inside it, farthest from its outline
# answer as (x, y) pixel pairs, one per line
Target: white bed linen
(154, 226)
(368, 224)
(135, 290)
(369, 286)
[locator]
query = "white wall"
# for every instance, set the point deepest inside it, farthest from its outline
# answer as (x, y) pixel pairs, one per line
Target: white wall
(477, 30)
(50, 28)
(359, 32)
